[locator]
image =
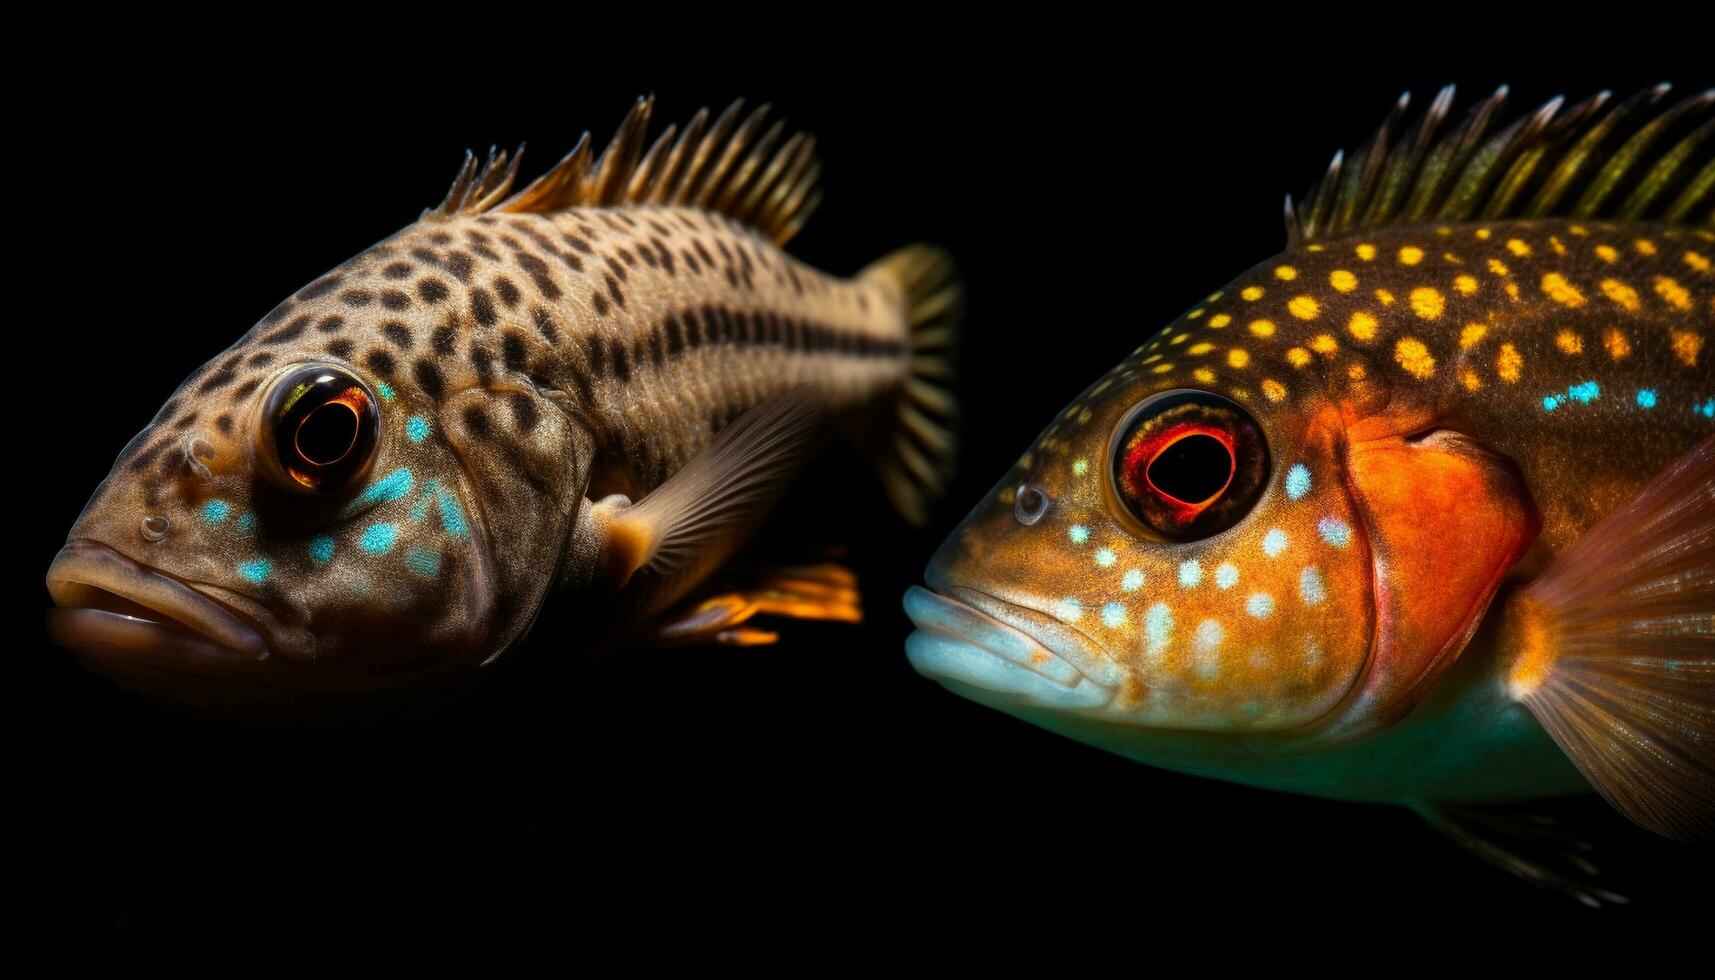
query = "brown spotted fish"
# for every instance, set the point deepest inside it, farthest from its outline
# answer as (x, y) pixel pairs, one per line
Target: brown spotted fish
(593, 387)
(1421, 510)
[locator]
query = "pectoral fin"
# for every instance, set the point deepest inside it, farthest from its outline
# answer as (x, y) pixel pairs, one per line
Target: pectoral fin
(1617, 652)
(824, 591)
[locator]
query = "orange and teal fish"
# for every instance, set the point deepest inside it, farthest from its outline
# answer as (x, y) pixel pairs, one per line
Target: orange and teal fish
(586, 391)
(1420, 510)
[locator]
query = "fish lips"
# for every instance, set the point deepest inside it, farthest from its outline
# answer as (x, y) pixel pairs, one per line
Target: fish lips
(967, 639)
(119, 613)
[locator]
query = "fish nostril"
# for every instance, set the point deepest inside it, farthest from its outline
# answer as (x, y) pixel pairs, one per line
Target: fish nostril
(194, 451)
(155, 528)
(1029, 503)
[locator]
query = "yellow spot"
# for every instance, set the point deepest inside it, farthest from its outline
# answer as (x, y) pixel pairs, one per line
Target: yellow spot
(1362, 325)
(1384, 297)
(1297, 357)
(1622, 294)
(1697, 260)
(1366, 251)
(1219, 320)
(1162, 368)
(1262, 328)
(1512, 291)
(1579, 230)
(1007, 495)
(1466, 285)
(1686, 346)
(1324, 344)
(1427, 302)
(1204, 375)
(1498, 267)
(1085, 416)
(1569, 342)
(1472, 335)
(1238, 357)
(1616, 343)
(1414, 357)
(1410, 255)
(1179, 338)
(1342, 280)
(1509, 363)
(1215, 295)
(1199, 348)
(1607, 253)
(1484, 233)
(1518, 247)
(1451, 259)
(1303, 307)
(1273, 389)
(1669, 289)
(1554, 243)
(1472, 382)
(1355, 372)
(1644, 246)
(1285, 273)
(1561, 291)
(1194, 314)
(1443, 230)
(1251, 294)
(1151, 359)
(1315, 248)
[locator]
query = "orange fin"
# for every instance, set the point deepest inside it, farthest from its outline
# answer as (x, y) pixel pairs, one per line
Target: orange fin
(822, 592)
(1618, 660)
(1528, 844)
(1446, 520)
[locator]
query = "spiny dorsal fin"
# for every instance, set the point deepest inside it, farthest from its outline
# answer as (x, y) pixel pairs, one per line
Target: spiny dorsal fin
(723, 166)
(1632, 160)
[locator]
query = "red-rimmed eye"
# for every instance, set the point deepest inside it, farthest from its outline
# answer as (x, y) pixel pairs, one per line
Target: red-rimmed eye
(319, 429)
(1189, 463)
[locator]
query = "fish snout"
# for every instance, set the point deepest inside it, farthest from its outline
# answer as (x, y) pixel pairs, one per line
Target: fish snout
(970, 640)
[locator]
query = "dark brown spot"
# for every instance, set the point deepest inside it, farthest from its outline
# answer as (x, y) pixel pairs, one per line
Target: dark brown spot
(429, 378)
(340, 348)
(537, 270)
(513, 352)
(217, 381)
(244, 390)
(261, 359)
(476, 421)
(460, 265)
(380, 362)
(507, 292)
(442, 339)
(614, 291)
(357, 297)
(224, 424)
(545, 324)
(395, 300)
(482, 307)
(600, 303)
(523, 413)
(398, 333)
(397, 270)
(290, 331)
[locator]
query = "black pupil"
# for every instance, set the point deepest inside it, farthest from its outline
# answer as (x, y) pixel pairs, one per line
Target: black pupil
(327, 434)
(1193, 469)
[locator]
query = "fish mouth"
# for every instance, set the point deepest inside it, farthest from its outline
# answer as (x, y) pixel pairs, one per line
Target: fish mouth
(119, 612)
(970, 639)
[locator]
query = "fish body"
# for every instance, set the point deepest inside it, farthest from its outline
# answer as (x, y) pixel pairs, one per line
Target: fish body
(388, 475)
(1421, 510)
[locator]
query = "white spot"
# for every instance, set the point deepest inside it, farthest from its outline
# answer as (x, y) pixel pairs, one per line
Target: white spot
(1310, 587)
(1113, 615)
(1069, 610)
(1106, 557)
(1132, 581)
(1274, 542)
(1158, 627)
(1190, 573)
(1334, 531)
(1260, 605)
(1297, 481)
(1227, 575)
(1210, 634)
(1078, 534)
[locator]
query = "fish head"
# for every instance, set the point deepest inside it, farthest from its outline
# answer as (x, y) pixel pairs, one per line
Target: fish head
(1171, 554)
(295, 516)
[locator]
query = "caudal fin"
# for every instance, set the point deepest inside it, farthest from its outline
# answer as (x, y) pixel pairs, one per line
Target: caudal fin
(1619, 655)
(915, 459)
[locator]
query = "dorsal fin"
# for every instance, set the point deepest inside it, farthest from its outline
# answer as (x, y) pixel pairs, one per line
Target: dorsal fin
(724, 166)
(1632, 160)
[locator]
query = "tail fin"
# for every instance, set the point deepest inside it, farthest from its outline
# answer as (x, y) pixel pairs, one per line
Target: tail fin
(1619, 663)
(915, 459)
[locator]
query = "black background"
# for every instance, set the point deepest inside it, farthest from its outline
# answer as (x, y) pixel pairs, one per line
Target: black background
(806, 803)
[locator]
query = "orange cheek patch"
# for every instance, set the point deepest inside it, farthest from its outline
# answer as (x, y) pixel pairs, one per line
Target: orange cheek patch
(1447, 520)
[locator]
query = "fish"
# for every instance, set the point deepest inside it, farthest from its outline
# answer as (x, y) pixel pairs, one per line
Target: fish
(1420, 510)
(584, 393)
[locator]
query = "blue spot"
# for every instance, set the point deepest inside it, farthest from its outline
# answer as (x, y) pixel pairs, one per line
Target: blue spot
(1646, 397)
(1132, 581)
(1274, 542)
(423, 561)
(1227, 575)
(1585, 393)
(452, 515)
(1310, 587)
(1334, 531)
(417, 428)
(1106, 557)
(385, 390)
(378, 538)
(246, 522)
(1158, 626)
(321, 548)
(255, 570)
(1707, 409)
(1260, 605)
(215, 511)
(1113, 615)
(1297, 481)
(390, 487)
(1190, 574)
(1550, 402)
(1078, 534)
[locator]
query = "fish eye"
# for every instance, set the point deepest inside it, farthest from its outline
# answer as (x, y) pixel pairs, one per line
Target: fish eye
(1188, 463)
(319, 428)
